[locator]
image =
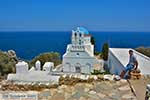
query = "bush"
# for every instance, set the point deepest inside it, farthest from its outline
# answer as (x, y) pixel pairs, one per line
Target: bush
(97, 53)
(93, 40)
(47, 57)
(7, 64)
(105, 50)
(145, 51)
(98, 72)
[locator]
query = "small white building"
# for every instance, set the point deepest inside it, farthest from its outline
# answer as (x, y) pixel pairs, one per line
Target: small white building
(48, 66)
(119, 57)
(79, 56)
(22, 67)
(25, 75)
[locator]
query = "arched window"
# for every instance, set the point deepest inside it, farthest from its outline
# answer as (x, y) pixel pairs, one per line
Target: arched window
(88, 65)
(77, 54)
(78, 68)
(80, 34)
(68, 67)
(80, 42)
(75, 34)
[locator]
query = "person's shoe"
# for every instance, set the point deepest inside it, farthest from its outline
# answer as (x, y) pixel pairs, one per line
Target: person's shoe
(117, 77)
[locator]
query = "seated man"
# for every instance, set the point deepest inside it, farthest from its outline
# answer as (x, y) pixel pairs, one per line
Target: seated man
(133, 64)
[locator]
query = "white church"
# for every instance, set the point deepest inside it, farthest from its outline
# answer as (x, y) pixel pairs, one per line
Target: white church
(79, 56)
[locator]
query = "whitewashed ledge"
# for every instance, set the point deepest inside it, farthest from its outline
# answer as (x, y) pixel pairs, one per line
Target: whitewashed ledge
(95, 77)
(34, 77)
(45, 78)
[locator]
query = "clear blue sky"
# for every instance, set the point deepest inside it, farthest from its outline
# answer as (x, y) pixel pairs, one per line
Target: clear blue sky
(64, 15)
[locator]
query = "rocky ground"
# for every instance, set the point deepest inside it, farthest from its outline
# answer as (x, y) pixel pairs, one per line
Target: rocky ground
(104, 90)
(76, 89)
(95, 90)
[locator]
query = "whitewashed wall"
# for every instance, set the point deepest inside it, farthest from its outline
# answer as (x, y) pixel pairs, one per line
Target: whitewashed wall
(86, 62)
(34, 76)
(119, 57)
(115, 66)
(22, 67)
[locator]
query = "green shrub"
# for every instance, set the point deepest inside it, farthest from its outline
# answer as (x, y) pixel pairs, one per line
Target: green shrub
(105, 50)
(47, 57)
(145, 51)
(97, 72)
(7, 64)
(93, 40)
(97, 53)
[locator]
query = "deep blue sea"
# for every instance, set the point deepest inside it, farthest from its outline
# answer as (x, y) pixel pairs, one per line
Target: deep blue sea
(30, 44)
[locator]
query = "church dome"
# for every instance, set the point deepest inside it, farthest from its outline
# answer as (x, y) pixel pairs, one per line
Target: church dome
(83, 30)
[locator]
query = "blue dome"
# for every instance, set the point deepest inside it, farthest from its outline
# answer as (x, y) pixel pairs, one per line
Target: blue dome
(82, 29)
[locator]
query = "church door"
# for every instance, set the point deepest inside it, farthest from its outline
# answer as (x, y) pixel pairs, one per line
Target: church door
(78, 68)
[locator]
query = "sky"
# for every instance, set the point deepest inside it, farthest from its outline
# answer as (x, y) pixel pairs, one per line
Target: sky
(65, 15)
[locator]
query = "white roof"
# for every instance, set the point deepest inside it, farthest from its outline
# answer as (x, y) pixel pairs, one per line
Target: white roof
(122, 55)
(38, 62)
(21, 63)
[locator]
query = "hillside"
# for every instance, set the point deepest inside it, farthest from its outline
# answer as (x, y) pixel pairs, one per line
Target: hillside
(143, 50)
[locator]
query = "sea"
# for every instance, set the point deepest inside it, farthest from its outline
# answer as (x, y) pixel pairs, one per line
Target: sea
(27, 45)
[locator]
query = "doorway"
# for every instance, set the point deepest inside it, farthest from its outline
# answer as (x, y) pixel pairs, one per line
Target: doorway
(78, 68)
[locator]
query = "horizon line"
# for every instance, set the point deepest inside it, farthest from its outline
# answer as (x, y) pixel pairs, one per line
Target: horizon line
(67, 31)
